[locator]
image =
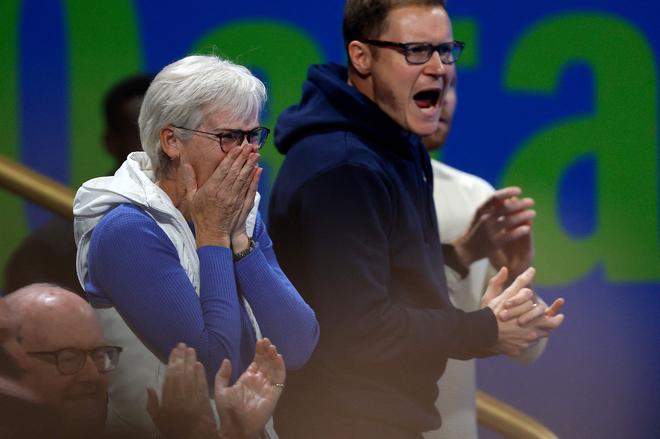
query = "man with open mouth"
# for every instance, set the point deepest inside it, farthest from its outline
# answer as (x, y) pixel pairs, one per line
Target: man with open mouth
(353, 223)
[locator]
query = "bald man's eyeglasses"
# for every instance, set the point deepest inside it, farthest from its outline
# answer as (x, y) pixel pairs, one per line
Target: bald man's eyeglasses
(419, 53)
(71, 360)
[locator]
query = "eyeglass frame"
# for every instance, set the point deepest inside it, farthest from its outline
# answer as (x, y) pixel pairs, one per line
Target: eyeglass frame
(219, 136)
(54, 357)
(406, 47)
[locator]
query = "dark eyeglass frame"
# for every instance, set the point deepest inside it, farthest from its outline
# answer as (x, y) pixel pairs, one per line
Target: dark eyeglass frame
(111, 353)
(449, 52)
(229, 133)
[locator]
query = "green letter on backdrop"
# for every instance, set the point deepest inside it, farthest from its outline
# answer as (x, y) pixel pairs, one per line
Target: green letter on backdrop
(104, 48)
(621, 135)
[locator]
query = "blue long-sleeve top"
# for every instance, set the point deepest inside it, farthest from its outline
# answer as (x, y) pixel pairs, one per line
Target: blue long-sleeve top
(134, 267)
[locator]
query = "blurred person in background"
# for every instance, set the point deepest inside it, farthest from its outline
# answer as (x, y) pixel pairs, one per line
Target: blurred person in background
(481, 230)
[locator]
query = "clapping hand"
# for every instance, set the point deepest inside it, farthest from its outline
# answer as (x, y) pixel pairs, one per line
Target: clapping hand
(522, 320)
(185, 410)
(245, 407)
(500, 230)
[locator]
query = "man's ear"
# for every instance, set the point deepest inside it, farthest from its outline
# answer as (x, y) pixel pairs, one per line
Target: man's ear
(170, 143)
(360, 56)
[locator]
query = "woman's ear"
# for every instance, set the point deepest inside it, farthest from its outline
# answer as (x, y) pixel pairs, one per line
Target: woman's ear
(170, 143)
(360, 56)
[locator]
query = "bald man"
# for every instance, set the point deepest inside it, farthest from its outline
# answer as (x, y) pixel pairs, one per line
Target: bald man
(65, 357)
(53, 366)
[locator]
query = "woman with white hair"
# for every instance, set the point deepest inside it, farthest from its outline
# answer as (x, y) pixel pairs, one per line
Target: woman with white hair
(172, 248)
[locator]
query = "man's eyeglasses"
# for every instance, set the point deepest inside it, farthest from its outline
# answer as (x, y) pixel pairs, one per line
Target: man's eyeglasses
(419, 53)
(71, 360)
(228, 139)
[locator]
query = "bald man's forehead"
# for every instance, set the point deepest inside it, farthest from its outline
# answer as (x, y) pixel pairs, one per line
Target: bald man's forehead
(52, 318)
(41, 297)
(57, 331)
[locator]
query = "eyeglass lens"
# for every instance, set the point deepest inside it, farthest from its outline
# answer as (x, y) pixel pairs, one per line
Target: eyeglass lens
(234, 138)
(421, 53)
(70, 361)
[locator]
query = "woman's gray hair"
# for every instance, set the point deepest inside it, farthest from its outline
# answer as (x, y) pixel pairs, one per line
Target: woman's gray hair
(186, 91)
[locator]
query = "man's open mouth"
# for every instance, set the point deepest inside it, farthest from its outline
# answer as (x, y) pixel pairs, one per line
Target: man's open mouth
(427, 98)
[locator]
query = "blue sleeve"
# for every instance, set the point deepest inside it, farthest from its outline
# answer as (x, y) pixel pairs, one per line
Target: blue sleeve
(134, 264)
(283, 315)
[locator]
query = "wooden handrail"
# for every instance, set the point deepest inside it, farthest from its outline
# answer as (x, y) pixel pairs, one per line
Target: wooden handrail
(508, 421)
(36, 187)
(492, 414)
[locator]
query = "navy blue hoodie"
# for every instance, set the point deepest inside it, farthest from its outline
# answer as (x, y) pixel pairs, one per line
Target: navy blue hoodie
(354, 228)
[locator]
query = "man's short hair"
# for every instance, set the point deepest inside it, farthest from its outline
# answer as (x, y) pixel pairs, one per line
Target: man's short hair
(367, 19)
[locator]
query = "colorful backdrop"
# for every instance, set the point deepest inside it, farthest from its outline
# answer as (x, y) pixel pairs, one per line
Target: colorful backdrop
(558, 97)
